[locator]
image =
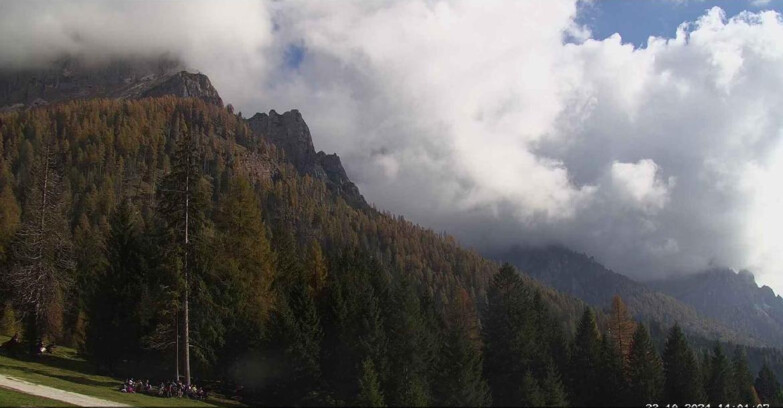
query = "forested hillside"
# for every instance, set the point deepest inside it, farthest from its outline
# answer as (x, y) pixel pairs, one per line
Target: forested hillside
(117, 216)
(665, 302)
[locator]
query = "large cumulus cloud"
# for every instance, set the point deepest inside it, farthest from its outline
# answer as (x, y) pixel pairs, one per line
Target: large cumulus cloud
(501, 122)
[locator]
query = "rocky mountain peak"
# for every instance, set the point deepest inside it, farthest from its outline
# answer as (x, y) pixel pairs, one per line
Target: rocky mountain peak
(73, 78)
(186, 85)
(290, 133)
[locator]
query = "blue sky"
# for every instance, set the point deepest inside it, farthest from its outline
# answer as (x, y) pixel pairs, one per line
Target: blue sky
(636, 20)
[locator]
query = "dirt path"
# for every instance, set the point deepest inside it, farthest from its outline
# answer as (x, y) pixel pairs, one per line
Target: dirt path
(55, 394)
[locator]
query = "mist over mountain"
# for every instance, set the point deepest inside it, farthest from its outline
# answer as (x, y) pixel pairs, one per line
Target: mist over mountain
(717, 303)
(730, 297)
(71, 78)
(653, 159)
(295, 275)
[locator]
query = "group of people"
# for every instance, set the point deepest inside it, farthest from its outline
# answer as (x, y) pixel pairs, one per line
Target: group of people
(172, 389)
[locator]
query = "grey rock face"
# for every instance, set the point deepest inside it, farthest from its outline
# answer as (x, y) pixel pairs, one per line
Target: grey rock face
(186, 85)
(290, 133)
(72, 78)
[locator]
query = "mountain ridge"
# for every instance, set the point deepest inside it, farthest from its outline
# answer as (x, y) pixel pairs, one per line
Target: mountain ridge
(722, 293)
(585, 278)
(290, 133)
(71, 78)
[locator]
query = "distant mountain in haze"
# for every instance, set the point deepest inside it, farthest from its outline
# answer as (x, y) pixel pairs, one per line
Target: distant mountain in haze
(730, 297)
(718, 304)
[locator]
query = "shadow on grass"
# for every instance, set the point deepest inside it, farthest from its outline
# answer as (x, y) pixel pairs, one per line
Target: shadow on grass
(60, 363)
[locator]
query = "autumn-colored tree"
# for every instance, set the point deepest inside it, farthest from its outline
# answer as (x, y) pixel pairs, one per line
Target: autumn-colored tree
(315, 266)
(621, 327)
(10, 213)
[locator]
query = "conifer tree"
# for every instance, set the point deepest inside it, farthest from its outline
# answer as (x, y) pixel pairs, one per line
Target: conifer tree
(245, 265)
(531, 393)
(611, 382)
(705, 369)
(43, 251)
(621, 327)
(459, 380)
(295, 335)
(743, 380)
(10, 213)
(183, 200)
(115, 309)
(682, 381)
(721, 388)
(506, 327)
(352, 311)
(585, 364)
(645, 370)
(370, 394)
(555, 393)
(8, 323)
(768, 387)
(315, 266)
(408, 349)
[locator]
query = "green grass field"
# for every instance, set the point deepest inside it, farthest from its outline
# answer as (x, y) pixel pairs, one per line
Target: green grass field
(11, 398)
(66, 371)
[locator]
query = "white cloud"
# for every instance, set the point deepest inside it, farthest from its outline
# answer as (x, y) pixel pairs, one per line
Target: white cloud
(481, 119)
(640, 184)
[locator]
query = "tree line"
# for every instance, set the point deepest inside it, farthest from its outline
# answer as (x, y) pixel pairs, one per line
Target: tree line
(291, 292)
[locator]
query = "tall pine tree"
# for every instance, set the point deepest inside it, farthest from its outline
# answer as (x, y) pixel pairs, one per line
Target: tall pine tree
(768, 387)
(743, 380)
(721, 388)
(585, 365)
(645, 370)
(459, 380)
(682, 380)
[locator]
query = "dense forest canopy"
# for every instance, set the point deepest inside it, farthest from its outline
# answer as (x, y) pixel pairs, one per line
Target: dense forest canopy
(293, 292)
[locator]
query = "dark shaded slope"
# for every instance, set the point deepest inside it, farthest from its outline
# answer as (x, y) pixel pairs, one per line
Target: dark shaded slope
(730, 297)
(583, 277)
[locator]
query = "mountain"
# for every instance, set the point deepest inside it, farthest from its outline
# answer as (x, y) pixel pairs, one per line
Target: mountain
(730, 297)
(583, 277)
(301, 294)
(290, 133)
(73, 78)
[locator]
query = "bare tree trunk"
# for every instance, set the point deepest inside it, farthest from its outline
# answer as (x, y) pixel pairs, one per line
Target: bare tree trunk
(42, 226)
(187, 285)
(176, 345)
